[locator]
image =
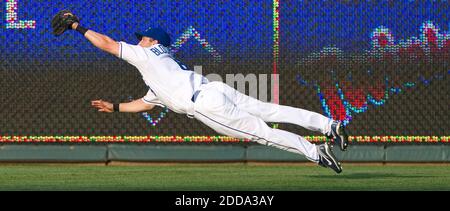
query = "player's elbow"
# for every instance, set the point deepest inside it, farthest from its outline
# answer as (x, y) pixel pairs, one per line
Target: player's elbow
(110, 46)
(148, 107)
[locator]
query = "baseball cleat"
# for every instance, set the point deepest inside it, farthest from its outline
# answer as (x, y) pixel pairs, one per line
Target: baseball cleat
(339, 135)
(327, 158)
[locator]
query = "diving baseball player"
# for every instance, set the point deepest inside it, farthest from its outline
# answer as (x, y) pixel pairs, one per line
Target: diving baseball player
(216, 104)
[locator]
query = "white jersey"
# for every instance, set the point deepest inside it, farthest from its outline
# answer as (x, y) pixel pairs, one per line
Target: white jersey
(170, 82)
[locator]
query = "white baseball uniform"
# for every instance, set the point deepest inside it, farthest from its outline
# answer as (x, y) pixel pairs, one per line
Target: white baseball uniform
(218, 105)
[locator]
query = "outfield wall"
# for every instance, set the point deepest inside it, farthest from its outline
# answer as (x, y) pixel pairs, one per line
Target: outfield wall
(236, 152)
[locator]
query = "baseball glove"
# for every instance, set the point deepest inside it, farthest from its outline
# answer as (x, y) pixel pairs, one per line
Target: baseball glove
(63, 21)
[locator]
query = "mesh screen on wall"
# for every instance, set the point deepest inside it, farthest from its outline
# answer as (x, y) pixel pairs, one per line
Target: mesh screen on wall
(380, 67)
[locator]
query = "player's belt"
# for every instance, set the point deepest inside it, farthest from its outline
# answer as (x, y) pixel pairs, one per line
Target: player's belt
(194, 96)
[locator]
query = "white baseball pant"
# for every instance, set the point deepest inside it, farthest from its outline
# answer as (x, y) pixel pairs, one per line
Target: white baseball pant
(234, 114)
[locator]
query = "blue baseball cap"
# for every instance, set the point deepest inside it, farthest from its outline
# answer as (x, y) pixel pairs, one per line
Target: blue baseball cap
(156, 33)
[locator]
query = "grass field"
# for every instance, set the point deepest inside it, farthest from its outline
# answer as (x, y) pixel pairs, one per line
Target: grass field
(222, 177)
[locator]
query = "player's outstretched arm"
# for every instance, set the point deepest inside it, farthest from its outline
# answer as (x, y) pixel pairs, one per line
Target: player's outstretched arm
(101, 41)
(132, 107)
(65, 20)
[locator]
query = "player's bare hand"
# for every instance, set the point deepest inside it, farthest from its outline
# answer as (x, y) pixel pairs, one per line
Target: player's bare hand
(102, 106)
